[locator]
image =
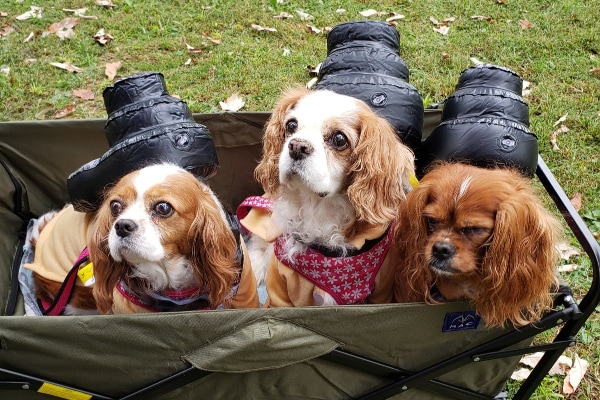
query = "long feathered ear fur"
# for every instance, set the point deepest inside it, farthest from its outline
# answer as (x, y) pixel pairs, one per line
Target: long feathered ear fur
(381, 169)
(107, 271)
(267, 170)
(213, 252)
(413, 277)
(519, 263)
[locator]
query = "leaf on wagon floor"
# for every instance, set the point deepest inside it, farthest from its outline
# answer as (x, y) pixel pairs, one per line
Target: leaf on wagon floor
(34, 12)
(67, 67)
(110, 70)
(85, 94)
(233, 103)
(575, 375)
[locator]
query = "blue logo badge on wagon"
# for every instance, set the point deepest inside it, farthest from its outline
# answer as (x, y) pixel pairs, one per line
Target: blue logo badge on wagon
(461, 321)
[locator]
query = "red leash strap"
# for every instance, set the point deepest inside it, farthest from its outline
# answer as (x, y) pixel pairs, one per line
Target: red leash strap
(66, 289)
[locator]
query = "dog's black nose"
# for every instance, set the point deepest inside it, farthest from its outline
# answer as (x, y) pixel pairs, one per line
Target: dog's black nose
(299, 149)
(125, 227)
(443, 250)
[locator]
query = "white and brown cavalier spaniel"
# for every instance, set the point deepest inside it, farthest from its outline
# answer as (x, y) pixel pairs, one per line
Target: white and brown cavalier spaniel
(160, 241)
(333, 173)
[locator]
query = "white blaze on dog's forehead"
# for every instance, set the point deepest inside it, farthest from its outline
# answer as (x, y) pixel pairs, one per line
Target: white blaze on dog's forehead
(153, 175)
(464, 186)
(324, 103)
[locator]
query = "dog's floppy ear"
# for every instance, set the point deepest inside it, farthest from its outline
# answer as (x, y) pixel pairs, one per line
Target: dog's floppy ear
(381, 169)
(413, 277)
(107, 271)
(213, 250)
(267, 170)
(520, 261)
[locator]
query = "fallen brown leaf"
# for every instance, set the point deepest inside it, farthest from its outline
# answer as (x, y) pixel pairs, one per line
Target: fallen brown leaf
(3, 14)
(481, 17)
(6, 30)
(192, 49)
(443, 29)
(561, 119)
(394, 17)
(567, 268)
(567, 251)
(104, 3)
(577, 201)
(5, 70)
(67, 67)
(554, 137)
(233, 103)
(368, 13)
(29, 37)
(85, 94)
(595, 71)
(283, 15)
(63, 29)
(111, 70)
(212, 40)
(434, 21)
(260, 28)
(68, 110)
(575, 375)
(79, 12)
(304, 16)
(313, 29)
(34, 12)
(525, 24)
(102, 37)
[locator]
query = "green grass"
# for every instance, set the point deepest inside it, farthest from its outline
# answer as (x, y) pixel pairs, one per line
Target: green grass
(555, 55)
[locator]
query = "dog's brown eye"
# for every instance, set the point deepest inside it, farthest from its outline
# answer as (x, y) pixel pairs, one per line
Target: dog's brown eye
(432, 224)
(163, 209)
(473, 230)
(339, 141)
(291, 126)
(116, 208)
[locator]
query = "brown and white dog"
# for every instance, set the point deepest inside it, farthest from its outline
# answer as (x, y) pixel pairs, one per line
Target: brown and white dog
(160, 241)
(478, 234)
(333, 173)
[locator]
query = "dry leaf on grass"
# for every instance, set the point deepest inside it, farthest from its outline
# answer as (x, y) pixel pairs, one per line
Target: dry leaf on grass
(520, 374)
(188, 62)
(211, 39)
(85, 94)
(261, 28)
(341, 11)
(192, 49)
(567, 251)
(313, 29)
(575, 375)
(66, 66)
(283, 15)
(595, 71)
(68, 110)
(104, 3)
(102, 37)
(567, 268)
(561, 119)
(554, 137)
(368, 13)
(394, 17)
(475, 61)
(481, 17)
(34, 12)
(5, 70)
(525, 24)
(63, 29)
(80, 12)
(233, 103)
(577, 201)
(29, 37)
(434, 21)
(111, 70)
(304, 16)
(526, 88)
(6, 30)
(443, 29)
(3, 14)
